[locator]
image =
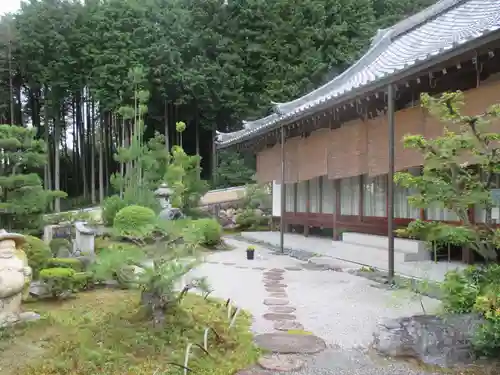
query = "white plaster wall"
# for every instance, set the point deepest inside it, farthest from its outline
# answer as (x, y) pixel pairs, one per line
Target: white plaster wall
(276, 199)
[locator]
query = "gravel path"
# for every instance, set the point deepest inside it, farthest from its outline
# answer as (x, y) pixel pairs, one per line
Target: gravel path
(341, 308)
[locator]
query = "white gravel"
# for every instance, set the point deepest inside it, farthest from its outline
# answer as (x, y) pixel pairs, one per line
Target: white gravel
(341, 308)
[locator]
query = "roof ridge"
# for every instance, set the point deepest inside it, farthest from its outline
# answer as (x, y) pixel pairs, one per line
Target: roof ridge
(425, 15)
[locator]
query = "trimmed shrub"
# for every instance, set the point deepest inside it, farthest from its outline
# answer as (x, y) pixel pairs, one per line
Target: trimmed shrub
(38, 254)
(58, 243)
(82, 281)
(210, 230)
(73, 263)
(110, 208)
(249, 219)
(135, 222)
(58, 280)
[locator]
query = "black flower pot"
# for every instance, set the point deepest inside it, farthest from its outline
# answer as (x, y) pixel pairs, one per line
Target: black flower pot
(250, 254)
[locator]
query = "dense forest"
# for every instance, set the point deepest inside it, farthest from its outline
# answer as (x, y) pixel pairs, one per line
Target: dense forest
(65, 72)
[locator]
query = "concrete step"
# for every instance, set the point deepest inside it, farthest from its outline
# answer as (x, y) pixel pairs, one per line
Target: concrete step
(413, 250)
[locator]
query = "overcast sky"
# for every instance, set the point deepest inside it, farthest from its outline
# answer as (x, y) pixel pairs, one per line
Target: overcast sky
(9, 6)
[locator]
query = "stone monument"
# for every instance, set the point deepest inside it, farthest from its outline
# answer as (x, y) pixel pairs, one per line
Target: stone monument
(84, 239)
(168, 212)
(15, 274)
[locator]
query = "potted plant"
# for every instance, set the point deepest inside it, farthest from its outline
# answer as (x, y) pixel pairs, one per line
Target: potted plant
(250, 252)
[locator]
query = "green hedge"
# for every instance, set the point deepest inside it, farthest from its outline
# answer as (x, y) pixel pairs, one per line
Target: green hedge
(38, 254)
(135, 221)
(72, 263)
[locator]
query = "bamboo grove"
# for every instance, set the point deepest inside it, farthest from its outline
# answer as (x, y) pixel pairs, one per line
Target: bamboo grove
(207, 64)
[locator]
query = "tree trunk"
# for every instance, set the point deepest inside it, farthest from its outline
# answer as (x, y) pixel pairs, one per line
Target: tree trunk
(167, 138)
(101, 158)
(57, 160)
(47, 170)
(83, 151)
(92, 153)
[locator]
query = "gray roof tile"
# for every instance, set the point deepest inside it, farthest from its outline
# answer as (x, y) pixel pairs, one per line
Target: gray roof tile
(430, 33)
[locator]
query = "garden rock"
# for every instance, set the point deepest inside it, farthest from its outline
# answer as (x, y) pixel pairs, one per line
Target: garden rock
(38, 289)
(440, 341)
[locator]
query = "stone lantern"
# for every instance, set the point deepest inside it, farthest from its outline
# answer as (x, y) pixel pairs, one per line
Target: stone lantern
(163, 194)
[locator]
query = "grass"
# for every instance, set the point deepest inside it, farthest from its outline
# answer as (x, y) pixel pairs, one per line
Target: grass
(104, 333)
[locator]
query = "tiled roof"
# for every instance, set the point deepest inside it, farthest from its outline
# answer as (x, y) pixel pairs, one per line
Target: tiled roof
(435, 31)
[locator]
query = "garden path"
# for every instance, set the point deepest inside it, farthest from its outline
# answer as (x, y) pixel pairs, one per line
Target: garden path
(341, 308)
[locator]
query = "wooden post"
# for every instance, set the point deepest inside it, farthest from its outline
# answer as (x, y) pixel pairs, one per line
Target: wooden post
(390, 185)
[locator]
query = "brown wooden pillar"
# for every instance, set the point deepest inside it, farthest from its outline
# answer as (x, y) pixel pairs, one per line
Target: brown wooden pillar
(361, 180)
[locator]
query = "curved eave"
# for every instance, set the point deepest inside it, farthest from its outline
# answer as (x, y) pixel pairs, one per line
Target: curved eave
(375, 69)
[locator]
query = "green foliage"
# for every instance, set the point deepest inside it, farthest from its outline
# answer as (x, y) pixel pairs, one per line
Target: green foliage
(116, 263)
(83, 281)
(135, 222)
(59, 281)
(447, 180)
(104, 332)
(183, 177)
(110, 208)
(250, 219)
(211, 231)
(59, 243)
(180, 126)
(477, 289)
(38, 254)
(23, 199)
(256, 196)
(234, 169)
(73, 263)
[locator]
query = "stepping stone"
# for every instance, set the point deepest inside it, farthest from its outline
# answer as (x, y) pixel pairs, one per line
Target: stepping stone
(286, 343)
(278, 295)
(268, 285)
(268, 281)
(210, 262)
(287, 325)
(280, 362)
(282, 309)
(278, 316)
(228, 263)
(275, 302)
(278, 270)
(258, 268)
(242, 267)
(293, 268)
(272, 289)
(273, 277)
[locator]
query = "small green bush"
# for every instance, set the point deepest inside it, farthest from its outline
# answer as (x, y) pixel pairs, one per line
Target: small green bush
(210, 231)
(249, 219)
(73, 263)
(110, 208)
(135, 221)
(477, 290)
(38, 254)
(82, 281)
(58, 280)
(58, 243)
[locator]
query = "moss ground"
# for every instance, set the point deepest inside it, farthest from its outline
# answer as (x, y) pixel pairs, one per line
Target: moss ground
(104, 332)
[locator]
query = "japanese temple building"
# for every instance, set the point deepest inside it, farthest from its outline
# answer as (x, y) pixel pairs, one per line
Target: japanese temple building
(337, 158)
